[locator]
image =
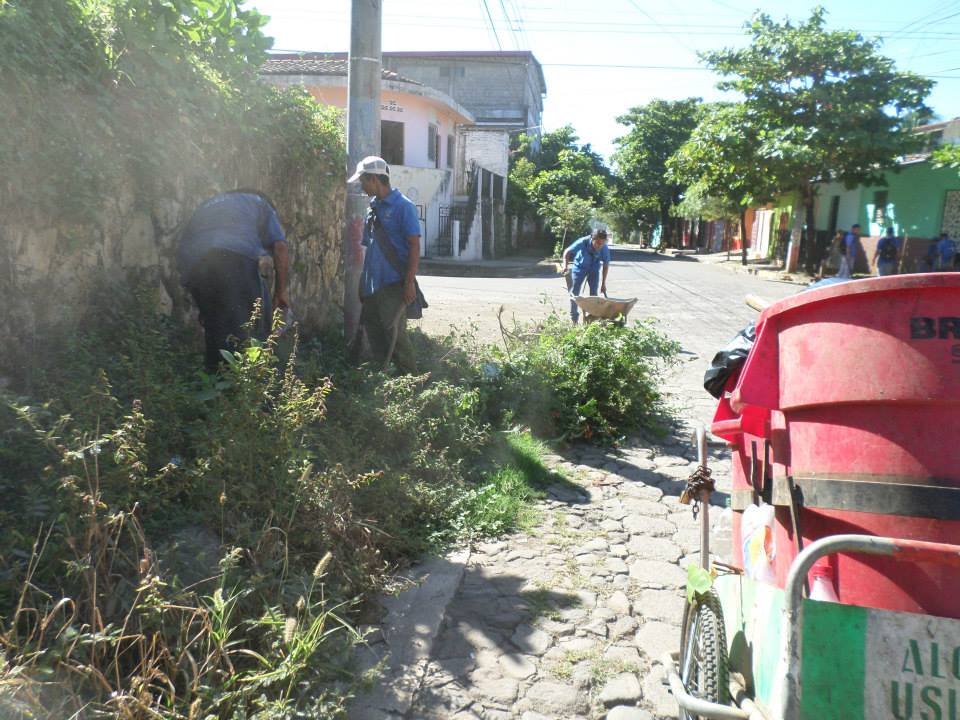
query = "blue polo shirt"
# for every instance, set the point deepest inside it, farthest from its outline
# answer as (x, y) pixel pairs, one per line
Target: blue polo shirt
(947, 248)
(587, 260)
(243, 223)
(400, 220)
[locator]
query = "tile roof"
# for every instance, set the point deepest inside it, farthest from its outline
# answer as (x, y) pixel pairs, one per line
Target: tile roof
(319, 66)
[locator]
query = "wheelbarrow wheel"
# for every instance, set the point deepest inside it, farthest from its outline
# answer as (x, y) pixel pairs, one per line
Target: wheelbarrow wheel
(703, 652)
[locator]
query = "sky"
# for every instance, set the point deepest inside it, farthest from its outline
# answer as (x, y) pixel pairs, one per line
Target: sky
(602, 57)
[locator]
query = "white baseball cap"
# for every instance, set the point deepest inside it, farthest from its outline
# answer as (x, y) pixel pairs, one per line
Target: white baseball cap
(370, 165)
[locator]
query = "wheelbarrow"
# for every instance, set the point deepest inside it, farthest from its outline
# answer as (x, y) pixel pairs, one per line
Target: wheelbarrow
(595, 307)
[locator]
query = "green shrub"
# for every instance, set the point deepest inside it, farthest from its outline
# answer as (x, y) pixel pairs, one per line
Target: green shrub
(594, 382)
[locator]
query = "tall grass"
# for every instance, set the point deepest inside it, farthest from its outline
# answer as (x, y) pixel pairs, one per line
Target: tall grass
(179, 546)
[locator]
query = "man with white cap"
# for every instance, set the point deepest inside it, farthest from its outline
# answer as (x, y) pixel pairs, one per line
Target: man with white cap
(388, 281)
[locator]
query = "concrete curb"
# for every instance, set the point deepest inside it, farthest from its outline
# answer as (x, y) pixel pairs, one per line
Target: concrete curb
(765, 272)
(489, 268)
(408, 630)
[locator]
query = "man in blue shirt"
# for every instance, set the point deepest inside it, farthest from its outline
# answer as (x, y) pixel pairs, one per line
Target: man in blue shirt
(218, 258)
(887, 254)
(851, 241)
(388, 278)
(946, 250)
(588, 254)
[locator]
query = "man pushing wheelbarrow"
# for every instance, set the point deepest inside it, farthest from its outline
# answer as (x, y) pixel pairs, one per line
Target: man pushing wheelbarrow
(590, 256)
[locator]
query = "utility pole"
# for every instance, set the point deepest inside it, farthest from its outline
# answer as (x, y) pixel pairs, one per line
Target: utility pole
(363, 138)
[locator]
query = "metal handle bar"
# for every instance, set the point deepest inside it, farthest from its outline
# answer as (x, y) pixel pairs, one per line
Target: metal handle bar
(694, 705)
(786, 695)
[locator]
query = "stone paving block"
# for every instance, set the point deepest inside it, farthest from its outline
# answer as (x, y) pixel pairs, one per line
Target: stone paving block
(586, 598)
(519, 667)
(556, 698)
(620, 581)
(618, 602)
(622, 627)
(616, 565)
(638, 507)
(625, 712)
(656, 695)
(670, 461)
(654, 548)
(603, 613)
(623, 655)
(556, 628)
(651, 526)
(657, 573)
(654, 638)
(577, 645)
(486, 684)
(531, 640)
(666, 605)
(624, 689)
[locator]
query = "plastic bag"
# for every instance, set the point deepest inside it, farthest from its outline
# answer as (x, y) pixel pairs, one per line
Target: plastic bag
(757, 541)
(729, 360)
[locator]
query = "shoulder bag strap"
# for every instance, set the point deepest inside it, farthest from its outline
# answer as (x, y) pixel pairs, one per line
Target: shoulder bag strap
(386, 247)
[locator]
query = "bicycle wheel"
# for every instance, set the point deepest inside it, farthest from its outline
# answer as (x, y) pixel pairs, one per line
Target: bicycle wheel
(703, 652)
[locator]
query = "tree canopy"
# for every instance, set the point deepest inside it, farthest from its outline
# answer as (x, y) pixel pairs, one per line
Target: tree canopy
(556, 168)
(826, 104)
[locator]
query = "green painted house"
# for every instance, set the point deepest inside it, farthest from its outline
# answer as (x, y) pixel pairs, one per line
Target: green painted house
(919, 201)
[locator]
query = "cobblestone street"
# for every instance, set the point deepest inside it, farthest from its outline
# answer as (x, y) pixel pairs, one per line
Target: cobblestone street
(570, 620)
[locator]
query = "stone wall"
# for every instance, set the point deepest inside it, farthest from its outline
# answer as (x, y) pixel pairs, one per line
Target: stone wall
(49, 273)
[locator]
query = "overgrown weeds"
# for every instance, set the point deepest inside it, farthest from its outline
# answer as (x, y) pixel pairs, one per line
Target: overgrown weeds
(595, 382)
(182, 546)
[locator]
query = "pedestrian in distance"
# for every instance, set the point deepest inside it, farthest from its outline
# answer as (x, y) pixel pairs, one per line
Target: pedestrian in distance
(589, 255)
(388, 280)
(835, 254)
(218, 257)
(946, 252)
(930, 259)
(887, 254)
(848, 260)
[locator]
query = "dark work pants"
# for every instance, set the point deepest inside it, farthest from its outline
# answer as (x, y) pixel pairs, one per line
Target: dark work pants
(379, 312)
(225, 286)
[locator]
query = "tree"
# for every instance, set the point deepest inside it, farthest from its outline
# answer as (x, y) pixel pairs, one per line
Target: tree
(655, 132)
(565, 213)
(946, 156)
(558, 167)
(699, 203)
(722, 161)
(826, 104)
(626, 213)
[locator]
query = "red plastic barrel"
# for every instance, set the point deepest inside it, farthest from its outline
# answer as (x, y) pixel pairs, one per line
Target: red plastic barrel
(849, 407)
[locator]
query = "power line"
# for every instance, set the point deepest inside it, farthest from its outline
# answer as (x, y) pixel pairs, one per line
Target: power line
(941, 8)
(493, 26)
(637, 67)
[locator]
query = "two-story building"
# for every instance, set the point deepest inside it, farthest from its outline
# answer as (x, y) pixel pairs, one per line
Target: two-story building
(418, 127)
(446, 123)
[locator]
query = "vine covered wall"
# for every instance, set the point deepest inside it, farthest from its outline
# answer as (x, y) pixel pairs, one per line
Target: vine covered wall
(119, 117)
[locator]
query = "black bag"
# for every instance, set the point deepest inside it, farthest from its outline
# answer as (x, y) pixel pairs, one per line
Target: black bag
(729, 360)
(419, 304)
(888, 251)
